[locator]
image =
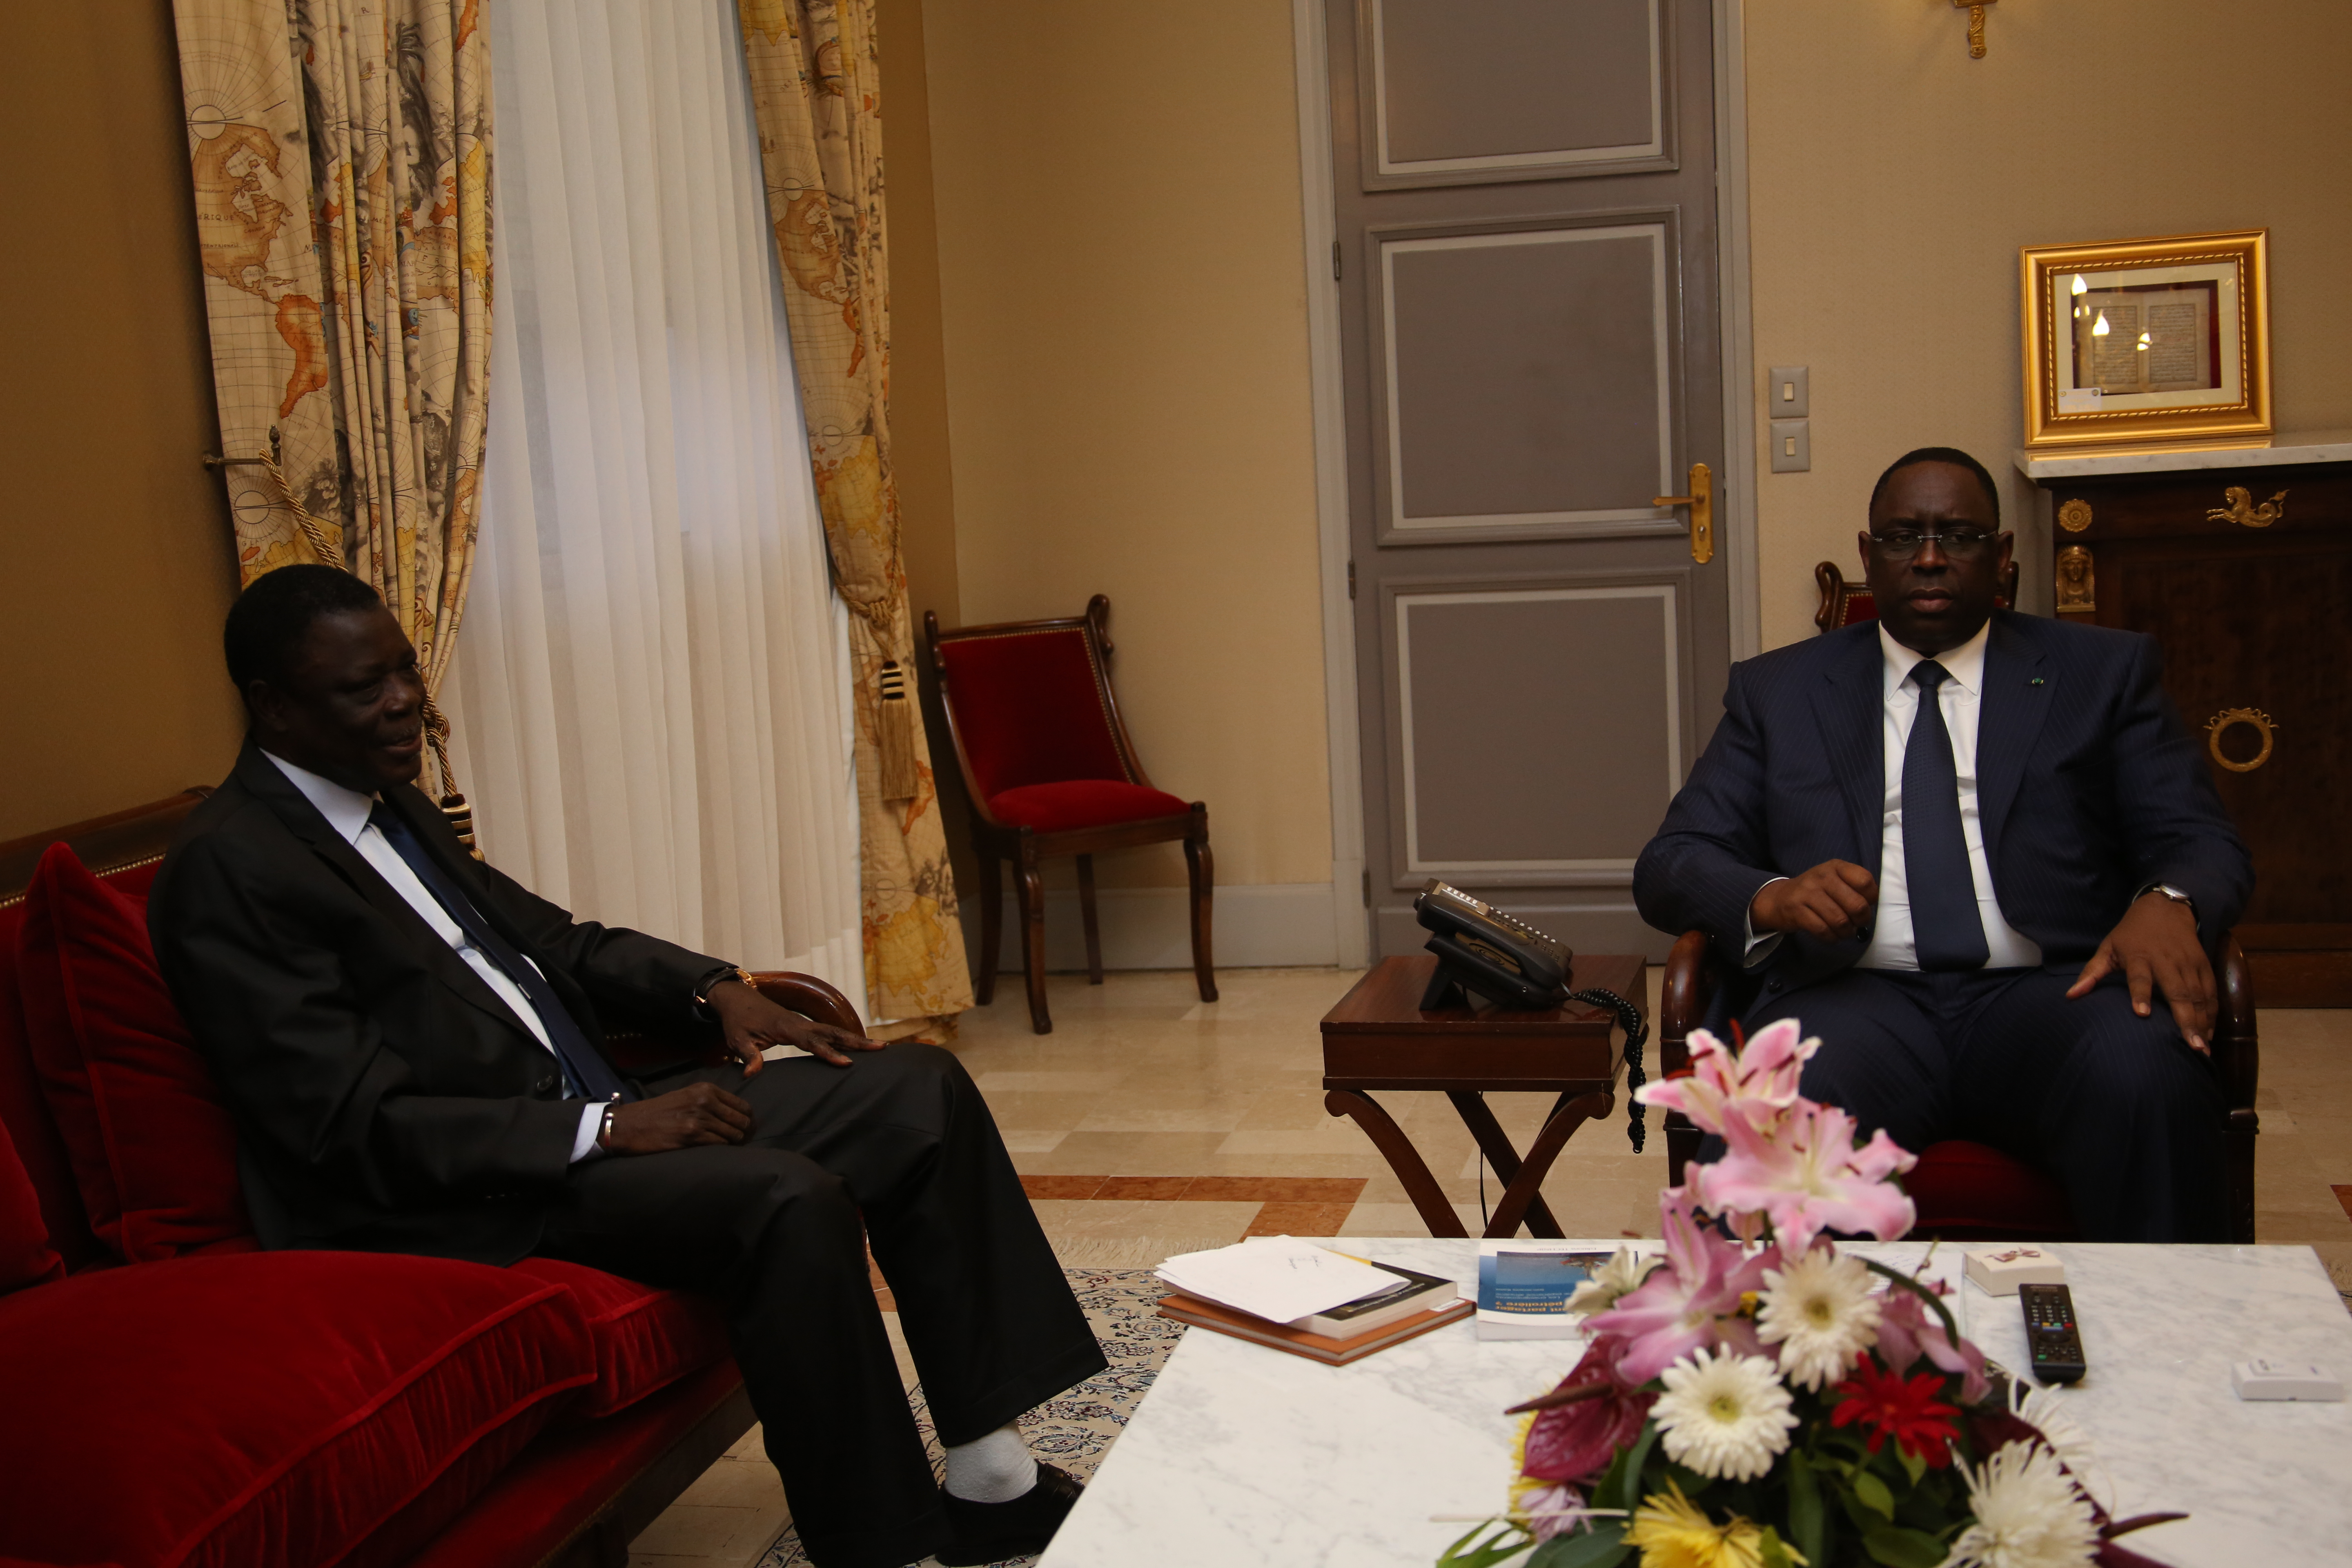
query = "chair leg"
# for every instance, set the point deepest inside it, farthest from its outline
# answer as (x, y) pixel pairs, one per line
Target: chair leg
(1201, 867)
(1086, 908)
(1033, 936)
(991, 923)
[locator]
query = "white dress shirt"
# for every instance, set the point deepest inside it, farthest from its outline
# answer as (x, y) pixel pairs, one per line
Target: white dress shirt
(1961, 700)
(347, 812)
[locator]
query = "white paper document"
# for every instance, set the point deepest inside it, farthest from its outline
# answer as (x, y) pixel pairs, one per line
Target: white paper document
(1278, 1277)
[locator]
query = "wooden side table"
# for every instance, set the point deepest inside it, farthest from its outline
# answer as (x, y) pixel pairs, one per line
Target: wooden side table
(1377, 1038)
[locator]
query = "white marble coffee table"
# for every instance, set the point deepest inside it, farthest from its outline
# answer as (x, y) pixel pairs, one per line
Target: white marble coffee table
(1241, 1455)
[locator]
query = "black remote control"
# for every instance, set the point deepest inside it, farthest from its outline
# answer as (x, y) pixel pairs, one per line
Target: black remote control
(2053, 1339)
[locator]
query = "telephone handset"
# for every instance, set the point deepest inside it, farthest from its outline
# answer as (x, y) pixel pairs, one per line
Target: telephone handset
(1479, 948)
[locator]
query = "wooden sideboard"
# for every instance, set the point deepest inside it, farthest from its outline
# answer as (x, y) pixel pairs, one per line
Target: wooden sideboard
(2240, 563)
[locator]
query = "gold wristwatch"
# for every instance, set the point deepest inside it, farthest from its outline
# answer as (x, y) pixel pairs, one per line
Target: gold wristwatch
(717, 980)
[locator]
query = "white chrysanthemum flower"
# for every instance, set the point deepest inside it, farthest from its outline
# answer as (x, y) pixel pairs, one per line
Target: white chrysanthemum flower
(2028, 1514)
(1821, 1312)
(2044, 1410)
(1723, 1415)
(1615, 1278)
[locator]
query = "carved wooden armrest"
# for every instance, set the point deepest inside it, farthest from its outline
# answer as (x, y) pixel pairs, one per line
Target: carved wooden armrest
(1683, 1000)
(810, 997)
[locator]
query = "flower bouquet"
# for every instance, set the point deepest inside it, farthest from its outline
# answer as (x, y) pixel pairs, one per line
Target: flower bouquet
(1759, 1399)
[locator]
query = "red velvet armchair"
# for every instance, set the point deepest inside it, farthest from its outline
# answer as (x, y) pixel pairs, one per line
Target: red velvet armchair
(1968, 1190)
(173, 1393)
(1049, 770)
(1971, 1192)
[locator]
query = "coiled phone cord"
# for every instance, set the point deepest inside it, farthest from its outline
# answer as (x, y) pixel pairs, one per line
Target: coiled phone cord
(1637, 1031)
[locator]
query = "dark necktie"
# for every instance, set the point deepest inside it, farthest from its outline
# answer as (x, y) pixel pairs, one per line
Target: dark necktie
(1947, 931)
(585, 1074)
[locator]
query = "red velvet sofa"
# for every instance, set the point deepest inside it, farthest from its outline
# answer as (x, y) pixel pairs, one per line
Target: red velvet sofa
(170, 1393)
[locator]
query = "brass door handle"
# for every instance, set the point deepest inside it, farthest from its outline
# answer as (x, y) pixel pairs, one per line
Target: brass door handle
(1701, 501)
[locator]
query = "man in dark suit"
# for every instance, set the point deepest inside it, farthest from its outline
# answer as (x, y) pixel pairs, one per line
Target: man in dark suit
(411, 1047)
(1976, 854)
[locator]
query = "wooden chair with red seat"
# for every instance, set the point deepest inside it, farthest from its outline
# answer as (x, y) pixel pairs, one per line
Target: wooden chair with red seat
(1967, 1190)
(1050, 771)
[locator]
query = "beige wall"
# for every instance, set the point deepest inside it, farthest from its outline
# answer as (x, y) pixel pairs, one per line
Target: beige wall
(1892, 180)
(115, 563)
(1124, 315)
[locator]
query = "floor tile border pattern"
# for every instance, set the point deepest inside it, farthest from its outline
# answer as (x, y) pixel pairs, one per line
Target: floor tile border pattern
(1287, 1205)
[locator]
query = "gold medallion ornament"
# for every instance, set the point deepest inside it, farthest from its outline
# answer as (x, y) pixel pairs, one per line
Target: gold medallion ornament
(2075, 516)
(2262, 725)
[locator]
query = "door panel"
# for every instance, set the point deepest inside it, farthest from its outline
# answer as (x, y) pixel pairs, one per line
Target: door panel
(1511, 89)
(1525, 202)
(1499, 789)
(1529, 381)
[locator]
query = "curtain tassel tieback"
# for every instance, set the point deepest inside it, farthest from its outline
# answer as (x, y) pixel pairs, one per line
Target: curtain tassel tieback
(894, 735)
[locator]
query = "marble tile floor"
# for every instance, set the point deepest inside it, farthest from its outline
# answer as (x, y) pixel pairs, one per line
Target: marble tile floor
(1148, 1123)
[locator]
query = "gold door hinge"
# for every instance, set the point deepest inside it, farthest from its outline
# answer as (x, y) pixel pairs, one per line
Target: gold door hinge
(1701, 501)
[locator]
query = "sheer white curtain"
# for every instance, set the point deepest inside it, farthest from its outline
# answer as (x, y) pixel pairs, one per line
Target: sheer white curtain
(651, 692)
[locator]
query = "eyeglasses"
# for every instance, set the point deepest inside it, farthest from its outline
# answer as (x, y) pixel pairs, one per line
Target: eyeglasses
(1902, 543)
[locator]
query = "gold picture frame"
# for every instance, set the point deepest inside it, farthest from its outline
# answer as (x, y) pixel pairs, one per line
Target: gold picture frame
(2142, 344)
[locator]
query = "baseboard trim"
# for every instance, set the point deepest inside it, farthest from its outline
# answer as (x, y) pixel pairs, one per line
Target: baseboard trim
(1272, 925)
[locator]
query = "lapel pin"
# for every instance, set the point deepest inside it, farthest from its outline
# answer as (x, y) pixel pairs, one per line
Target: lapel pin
(2037, 680)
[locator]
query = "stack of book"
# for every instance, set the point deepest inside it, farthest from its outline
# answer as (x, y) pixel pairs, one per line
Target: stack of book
(1294, 1296)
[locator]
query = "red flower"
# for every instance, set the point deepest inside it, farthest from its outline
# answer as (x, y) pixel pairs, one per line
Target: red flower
(1576, 1442)
(1905, 1410)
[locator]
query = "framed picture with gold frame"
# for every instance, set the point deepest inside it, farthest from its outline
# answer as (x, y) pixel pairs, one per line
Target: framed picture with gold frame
(2145, 344)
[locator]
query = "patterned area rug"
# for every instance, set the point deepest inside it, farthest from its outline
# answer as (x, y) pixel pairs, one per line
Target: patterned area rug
(1077, 1429)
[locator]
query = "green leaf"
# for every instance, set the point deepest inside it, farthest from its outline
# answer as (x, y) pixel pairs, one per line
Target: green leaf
(1900, 1548)
(1637, 1459)
(1774, 1553)
(1602, 1547)
(1913, 1464)
(1496, 1548)
(1806, 1522)
(1872, 1493)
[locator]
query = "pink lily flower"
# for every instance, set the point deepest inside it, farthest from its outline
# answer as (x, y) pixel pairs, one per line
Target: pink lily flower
(1756, 1085)
(1908, 1328)
(1807, 1176)
(1694, 1300)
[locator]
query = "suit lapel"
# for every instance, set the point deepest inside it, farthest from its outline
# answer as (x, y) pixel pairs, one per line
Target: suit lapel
(275, 791)
(2009, 718)
(1849, 706)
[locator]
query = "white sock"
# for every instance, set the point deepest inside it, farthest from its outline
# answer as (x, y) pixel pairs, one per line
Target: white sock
(994, 1469)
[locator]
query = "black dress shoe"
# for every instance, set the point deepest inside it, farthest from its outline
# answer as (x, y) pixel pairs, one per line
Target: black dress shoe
(993, 1532)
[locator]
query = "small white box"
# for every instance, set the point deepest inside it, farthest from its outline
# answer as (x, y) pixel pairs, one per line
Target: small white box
(2286, 1379)
(2000, 1270)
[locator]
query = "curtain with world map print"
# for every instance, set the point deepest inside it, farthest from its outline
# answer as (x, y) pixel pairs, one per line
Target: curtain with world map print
(815, 90)
(341, 154)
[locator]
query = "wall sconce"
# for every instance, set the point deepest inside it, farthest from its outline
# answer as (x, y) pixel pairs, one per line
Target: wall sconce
(1976, 10)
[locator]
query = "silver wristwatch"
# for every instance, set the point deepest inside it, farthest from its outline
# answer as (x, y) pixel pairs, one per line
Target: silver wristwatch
(2175, 894)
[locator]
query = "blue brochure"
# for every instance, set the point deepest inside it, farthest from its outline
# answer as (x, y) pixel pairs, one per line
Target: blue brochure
(1533, 1283)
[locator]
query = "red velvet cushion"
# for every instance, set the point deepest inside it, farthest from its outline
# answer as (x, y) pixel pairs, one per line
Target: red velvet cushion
(646, 1337)
(25, 1111)
(152, 1150)
(1082, 803)
(273, 1408)
(1860, 605)
(1029, 709)
(25, 1255)
(1967, 1190)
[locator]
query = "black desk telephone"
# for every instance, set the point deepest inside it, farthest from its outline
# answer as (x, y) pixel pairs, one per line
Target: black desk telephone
(1512, 964)
(1479, 948)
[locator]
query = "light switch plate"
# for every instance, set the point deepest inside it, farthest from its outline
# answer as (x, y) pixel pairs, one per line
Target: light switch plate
(1786, 395)
(1793, 445)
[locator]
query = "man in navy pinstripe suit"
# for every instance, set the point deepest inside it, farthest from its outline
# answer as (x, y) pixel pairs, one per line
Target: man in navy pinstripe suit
(1977, 854)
